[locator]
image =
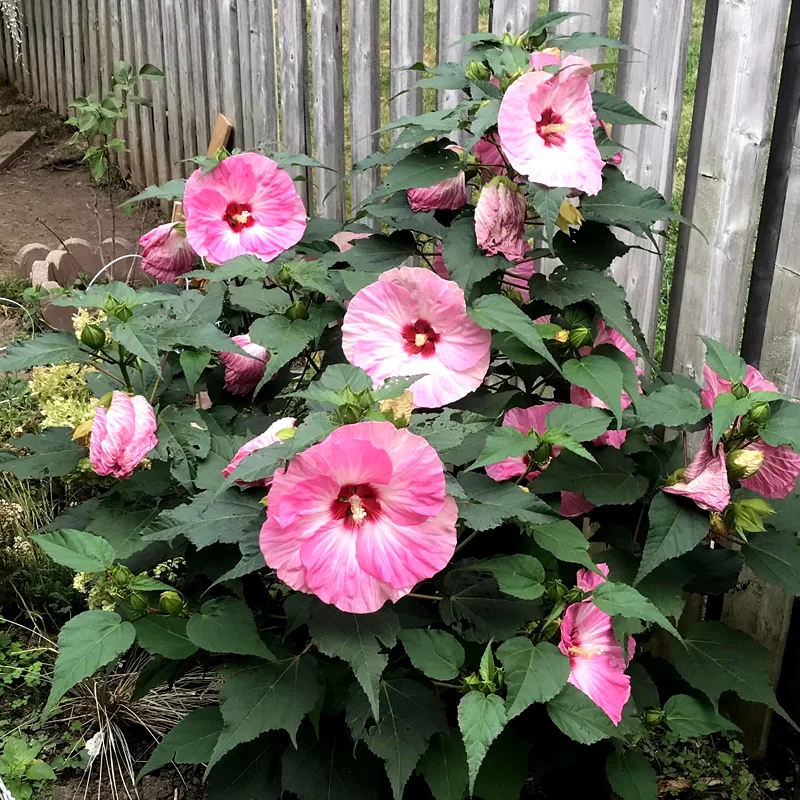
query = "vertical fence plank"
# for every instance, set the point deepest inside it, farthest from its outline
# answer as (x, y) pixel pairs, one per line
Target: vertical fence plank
(512, 16)
(407, 43)
(38, 33)
(117, 52)
(58, 42)
(133, 130)
(93, 62)
(69, 69)
(596, 20)
(185, 78)
(326, 60)
(27, 81)
(78, 45)
(294, 85)
(230, 75)
(246, 135)
(456, 19)
(6, 62)
(46, 31)
(144, 113)
(174, 131)
(365, 92)
(155, 55)
(262, 71)
(200, 78)
(212, 55)
(105, 57)
(713, 262)
(651, 78)
(32, 37)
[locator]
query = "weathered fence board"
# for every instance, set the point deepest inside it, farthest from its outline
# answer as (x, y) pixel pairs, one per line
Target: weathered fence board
(230, 74)
(155, 55)
(38, 27)
(185, 78)
(104, 52)
(93, 63)
(407, 43)
(512, 16)
(115, 32)
(69, 75)
(594, 18)
(78, 53)
(247, 139)
(457, 18)
(326, 64)
(174, 106)
(262, 72)
(27, 69)
(199, 75)
(652, 80)
(134, 131)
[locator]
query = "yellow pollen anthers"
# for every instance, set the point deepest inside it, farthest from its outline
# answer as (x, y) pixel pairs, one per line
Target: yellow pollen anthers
(357, 510)
(585, 652)
(242, 217)
(420, 339)
(555, 127)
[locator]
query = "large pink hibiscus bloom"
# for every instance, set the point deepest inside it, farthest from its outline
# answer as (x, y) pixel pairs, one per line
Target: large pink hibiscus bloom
(243, 373)
(777, 475)
(412, 322)
(525, 420)
(360, 518)
(247, 204)
(705, 480)
(546, 123)
(596, 660)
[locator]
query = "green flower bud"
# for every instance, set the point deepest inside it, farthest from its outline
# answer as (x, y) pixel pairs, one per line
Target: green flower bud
(509, 38)
(93, 337)
(739, 390)
(653, 717)
(744, 463)
(171, 603)
(542, 453)
(297, 310)
(578, 316)
(284, 276)
(555, 591)
(118, 308)
(477, 71)
(349, 413)
(121, 575)
(580, 337)
(514, 296)
(138, 601)
(760, 414)
(676, 477)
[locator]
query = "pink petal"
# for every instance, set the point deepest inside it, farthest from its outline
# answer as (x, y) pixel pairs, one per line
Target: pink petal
(706, 478)
(778, 473)
(270, 436)
(574, 504)
(242, 373)
(588, 581)
(122, 436)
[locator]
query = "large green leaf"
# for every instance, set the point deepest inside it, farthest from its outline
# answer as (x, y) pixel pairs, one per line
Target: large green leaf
(599, 375)
(582, 424)
(284, 339)
(481, 719)
(313, 275)
(726, 409)
(171, 190)
(575, 715)
(53, 453)
(424, 166)
(592, 247)
(87, 642)
(226, 625)
(378, 253)
(782, 428)
(191, 741)
(397, 213)
(250, 771)
(726, 364)
(457, 436)
(254, 297)
(671, 405)
(715, 659)
(164, 636)
(437, 654)
(183, 439)
(78, 550)
(675, 529)
(775, 557)
(357, 639)
(532, 674)
(619, 599)
(262, 696)
(137, 337)
(122, 529)
(564, 541)
(547, 202)
(689, 717)
(617, 111)
(444, 766)
(502, 443)
(466, 262)
(504, 771)
(495, 312)
(631, 776)
(43, 350)
(519, 575)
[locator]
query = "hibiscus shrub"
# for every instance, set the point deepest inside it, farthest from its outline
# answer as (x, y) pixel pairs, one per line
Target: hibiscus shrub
(384, 454)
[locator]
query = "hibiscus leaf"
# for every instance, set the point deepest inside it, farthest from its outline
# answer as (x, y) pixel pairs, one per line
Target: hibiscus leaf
(250, 770)
(43, 350)
(457, 436)
(726, 409)
(675, 529)
(284, 339)
(582, 424)
(502, 443)
(183, 439)
(171, 190)
(164, 636)
(226, 625)
(726, 364)
(78, 550)
(619, 599)
(519, 575)
(424, 166)
(600, 376)
(591, 247)
(481, 719)
(548, 20)
(580, 40)
(782, 428)
(631, 776)
(532, 674)
(378, 253)
(396, 211)
(671, 405)
(444, 766)
(547, 204)
(504, 771)
(437, 654)
(313, 275)
(497, 313)
(564, 541)
(466, 262)
(775, 557)
(260, 696)
(52, 453)
(617, 111)
(689, 717)
(576, 716)
(563, 440)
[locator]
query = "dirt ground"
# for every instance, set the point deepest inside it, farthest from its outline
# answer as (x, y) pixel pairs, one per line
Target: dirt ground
(47, 183)
(166, 785)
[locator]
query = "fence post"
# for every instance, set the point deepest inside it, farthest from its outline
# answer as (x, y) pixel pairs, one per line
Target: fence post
(456, 18)
(595, 19)
(407, 42)
(512, 16)
(262, 72)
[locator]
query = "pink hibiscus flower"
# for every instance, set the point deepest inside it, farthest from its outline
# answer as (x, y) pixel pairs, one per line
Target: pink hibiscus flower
(412, 322)
(242, 374)
(500, 219)
(450, 193)
(597, 663)
(777, 475)
(488, 152)
(705, 480)
(546, 123)
(122, 435)
(166, 254)
(270, 436)
(244, 205)
(360, 518)
(517, 278)
(344, 239)
(525, 420)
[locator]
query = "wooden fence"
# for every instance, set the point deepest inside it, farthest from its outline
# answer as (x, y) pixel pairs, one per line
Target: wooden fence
(276, 69)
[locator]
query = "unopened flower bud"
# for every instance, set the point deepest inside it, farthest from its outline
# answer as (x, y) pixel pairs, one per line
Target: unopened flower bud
(717, 525)
(477, 71)
(578, 316)
(555, 591)
(284, 276)
(508, 38)
(171, 603)
(653, 717)
(676, 477)
(542, 453)
(580, 336)
(122, 575)
(739, 390)
(119, 309)
(93, 336)
(138, 601)
(760, 414)
(349, 413)
(297, 310)
(744, 463)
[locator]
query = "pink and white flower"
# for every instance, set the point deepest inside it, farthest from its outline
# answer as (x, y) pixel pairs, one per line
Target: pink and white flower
(412, 322)
(490, 155)
(270, 436)
(500, 219)
(597, 663)
(243, 373)
(546, 123)
(344, 239)
(166, 253)
(122, 435)
(450, 193)
(525, 420)
(360, 518)
(245, 205)
(705, 480)
(518, 278)
(716, 384)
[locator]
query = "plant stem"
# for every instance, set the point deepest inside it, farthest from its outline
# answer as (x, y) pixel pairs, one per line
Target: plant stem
(123, 368)
(110, 375)
(158, 378)
(425, 597)
(467, 540)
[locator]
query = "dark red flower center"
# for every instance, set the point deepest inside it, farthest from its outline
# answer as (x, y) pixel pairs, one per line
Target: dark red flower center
(239, 216)
(356, 504)
(420, 338)
(551, 127)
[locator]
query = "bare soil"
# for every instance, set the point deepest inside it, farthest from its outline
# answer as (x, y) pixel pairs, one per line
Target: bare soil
(168, 784)
(47, 184)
